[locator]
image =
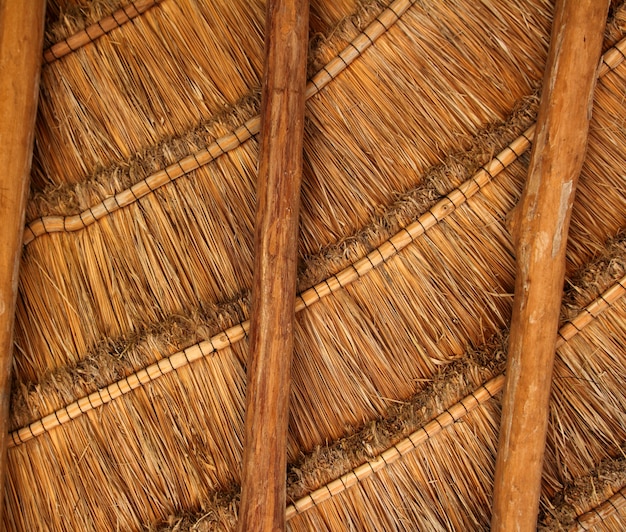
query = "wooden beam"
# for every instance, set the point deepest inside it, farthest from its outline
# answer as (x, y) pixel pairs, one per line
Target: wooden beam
(21, 48)
(540, 227)
(264, 470)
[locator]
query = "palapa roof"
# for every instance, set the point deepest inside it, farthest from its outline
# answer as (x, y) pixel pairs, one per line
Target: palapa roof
(129, 370)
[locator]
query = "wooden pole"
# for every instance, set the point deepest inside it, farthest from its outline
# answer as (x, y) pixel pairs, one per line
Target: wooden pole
(21, 48)
(264, 469)
(540, 226)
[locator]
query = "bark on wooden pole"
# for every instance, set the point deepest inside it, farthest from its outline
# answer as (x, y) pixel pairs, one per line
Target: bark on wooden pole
(264, 470)
(540, 226)
(21, 48)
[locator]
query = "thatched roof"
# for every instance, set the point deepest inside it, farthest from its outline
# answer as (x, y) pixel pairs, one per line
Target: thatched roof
(131, 326)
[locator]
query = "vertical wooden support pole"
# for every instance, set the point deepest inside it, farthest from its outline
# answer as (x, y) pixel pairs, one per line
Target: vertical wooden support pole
(540, 227)
(21, 48)
(264, 470)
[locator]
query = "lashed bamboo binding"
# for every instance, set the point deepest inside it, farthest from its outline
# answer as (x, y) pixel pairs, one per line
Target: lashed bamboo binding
(415, 151)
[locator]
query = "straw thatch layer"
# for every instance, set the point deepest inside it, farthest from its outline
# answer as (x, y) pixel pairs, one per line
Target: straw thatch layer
(435, 504)
(189, 390)
(98, 300)
(131, 333)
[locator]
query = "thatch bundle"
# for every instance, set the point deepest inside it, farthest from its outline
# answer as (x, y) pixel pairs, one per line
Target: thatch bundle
(132, 318)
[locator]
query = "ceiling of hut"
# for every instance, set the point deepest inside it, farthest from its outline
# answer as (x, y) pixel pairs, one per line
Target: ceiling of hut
(134, 298)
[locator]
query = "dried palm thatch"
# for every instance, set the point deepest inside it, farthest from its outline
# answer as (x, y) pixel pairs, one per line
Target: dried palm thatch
(129, 375)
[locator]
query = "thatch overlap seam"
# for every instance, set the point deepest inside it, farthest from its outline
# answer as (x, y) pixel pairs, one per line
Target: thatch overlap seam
(447, 418)
(226, 143)
(452, 414)
(351, 273)
(97, 30)
(614, 504)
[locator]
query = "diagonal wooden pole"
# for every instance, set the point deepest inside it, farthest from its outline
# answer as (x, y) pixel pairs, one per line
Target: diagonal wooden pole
(264, 469)
(540, 226)
(21, 47)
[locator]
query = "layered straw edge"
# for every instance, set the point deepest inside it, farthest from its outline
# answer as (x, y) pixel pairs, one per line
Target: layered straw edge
(222, 145)
(589, 500)
(610, 60)
(448, 417)
(388, 249)
(454, 413)
(94, 31)
(614, 504)
(385, 20)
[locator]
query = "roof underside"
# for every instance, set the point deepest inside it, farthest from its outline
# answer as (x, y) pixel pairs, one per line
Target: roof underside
(129, 372)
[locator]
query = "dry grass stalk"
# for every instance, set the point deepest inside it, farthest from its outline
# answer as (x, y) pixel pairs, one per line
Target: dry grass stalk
(407, 445)
(140, 491)
(452, 414)
(144, 406)
(125, 102)
(67, 17)
(587, 426)
(366, 12)
(448, 478)
(172, 400)
(205, 86)
(176, 331)
(122, 174)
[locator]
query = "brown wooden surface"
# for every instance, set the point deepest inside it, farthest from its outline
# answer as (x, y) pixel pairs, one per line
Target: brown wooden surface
(21, 44)
(263, 496)
(540, 227)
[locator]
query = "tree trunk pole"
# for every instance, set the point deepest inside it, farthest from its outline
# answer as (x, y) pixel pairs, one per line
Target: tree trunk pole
(21, 48)
(264, 469)
(539, 227)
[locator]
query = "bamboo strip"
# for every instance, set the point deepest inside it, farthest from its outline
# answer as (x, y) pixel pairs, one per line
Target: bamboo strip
(221, 146)
(612, 505)
(97, 30)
